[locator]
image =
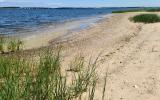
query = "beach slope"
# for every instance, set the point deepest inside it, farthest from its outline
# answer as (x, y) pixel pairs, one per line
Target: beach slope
(130, 54)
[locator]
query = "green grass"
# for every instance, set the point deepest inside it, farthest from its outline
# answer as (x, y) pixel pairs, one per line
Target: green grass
(22, 79)
(146, 18)
(138, 10)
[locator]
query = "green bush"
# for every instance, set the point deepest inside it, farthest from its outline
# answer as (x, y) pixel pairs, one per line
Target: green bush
(146, 18)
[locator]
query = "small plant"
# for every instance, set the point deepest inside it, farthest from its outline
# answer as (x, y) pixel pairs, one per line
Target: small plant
(83, 79)
(14, 45)
(77, 64)
(2, 42)
(146, 18)
(19, 44)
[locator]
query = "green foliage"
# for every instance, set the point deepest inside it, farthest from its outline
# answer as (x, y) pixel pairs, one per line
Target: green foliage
(146, 18)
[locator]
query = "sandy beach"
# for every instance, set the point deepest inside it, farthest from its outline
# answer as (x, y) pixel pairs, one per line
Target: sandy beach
(130, 54)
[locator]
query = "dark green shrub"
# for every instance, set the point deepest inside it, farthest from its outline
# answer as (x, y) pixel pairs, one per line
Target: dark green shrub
(146, 18)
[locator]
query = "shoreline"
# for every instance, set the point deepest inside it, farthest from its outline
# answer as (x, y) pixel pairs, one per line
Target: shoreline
(44, 38)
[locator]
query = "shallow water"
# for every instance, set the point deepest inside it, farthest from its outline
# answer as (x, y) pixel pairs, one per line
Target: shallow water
(33, 20)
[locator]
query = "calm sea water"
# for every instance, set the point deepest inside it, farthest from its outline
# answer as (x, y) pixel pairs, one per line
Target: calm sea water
(23, 20)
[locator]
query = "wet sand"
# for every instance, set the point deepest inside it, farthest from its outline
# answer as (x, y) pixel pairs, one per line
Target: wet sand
(58, 32)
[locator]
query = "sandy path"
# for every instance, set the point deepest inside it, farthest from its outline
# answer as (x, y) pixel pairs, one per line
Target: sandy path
(131, 56)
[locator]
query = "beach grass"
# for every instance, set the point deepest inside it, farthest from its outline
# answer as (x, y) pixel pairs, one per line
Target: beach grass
(23, 79)
(146, 18)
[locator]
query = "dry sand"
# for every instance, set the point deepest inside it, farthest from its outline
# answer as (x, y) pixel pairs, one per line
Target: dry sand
(130, 53)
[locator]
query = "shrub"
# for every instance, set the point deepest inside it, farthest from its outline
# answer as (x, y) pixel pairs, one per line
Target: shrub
(146, 18)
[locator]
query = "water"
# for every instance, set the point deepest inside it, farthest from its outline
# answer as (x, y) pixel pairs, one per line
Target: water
(27, 20)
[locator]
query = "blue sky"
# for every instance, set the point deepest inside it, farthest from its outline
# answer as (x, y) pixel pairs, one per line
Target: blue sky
(79, 3)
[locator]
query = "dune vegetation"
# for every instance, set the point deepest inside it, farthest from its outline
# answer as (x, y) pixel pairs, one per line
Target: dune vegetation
(24, 78)
(146, 18)
(138, 10)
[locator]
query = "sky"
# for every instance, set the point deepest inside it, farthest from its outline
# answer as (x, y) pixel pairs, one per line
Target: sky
(80, 3)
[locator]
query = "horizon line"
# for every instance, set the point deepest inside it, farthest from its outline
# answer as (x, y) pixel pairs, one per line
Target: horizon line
(78, 7)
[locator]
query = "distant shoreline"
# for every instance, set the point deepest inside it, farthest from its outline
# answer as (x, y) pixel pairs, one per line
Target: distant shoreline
(14, 7)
